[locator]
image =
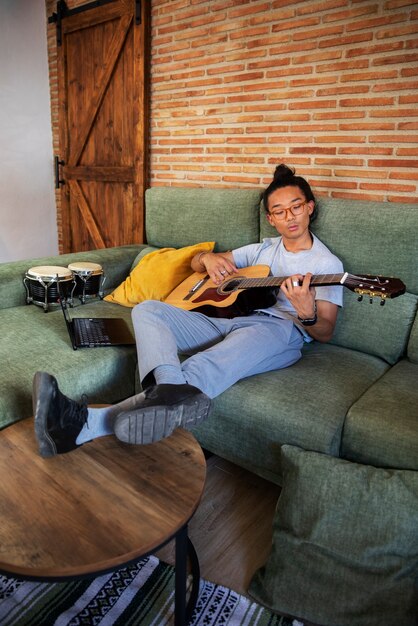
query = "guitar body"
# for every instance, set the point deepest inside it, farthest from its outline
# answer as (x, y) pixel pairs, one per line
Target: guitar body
(199, 293)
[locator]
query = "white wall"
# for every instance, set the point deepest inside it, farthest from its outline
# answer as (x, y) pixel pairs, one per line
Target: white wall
(27, 204)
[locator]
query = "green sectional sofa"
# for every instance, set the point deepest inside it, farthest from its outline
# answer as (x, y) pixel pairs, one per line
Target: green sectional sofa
(355, 397)
(353, 401)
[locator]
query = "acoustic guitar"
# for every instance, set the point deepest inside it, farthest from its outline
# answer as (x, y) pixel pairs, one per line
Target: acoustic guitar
(253, 288)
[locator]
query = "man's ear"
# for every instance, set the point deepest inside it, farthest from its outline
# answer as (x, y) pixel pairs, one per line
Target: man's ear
(311, 207)
(270, 219)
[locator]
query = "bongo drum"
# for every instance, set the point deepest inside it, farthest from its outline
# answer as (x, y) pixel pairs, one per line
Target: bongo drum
(88, 280)
(46, 284)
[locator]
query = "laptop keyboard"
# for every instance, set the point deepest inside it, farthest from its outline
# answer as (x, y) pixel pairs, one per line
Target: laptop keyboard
(92, 332)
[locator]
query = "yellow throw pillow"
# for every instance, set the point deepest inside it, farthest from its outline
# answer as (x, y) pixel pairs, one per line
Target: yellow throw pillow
(157, 274)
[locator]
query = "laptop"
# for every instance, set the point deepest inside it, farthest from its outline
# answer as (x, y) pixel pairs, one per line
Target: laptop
(95, 332)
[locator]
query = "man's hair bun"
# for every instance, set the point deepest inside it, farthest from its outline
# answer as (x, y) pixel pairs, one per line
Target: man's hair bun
(283, 171)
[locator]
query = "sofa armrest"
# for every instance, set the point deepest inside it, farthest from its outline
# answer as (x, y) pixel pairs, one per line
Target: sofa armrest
(116, 264)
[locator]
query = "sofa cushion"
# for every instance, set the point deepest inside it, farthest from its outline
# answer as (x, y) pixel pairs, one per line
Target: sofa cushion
(375, 329)
(381, 428)
(32, 340)
(180, 217)
(304, 405)
(345, 544)
(382, 331)
(157, 274)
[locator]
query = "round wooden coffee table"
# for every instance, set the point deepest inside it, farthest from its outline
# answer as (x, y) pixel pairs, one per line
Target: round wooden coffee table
(98, 508)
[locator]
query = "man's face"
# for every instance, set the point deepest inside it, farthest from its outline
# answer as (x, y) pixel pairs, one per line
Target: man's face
(281, 203)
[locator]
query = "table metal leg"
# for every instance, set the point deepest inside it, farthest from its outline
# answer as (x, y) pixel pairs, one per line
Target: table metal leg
(180, 577)
(184, 549)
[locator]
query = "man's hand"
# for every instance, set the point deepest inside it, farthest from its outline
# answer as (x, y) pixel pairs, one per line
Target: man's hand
(301, 295)
(219, 265)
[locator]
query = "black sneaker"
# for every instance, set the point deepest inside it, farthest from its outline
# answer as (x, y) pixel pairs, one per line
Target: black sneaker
(164, 408)
(58, 420)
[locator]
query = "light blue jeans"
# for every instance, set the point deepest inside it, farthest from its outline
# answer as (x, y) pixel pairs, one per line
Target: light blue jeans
(221, 351)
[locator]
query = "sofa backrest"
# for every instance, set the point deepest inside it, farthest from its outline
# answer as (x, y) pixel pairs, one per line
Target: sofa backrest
(371, 238)
(177, 217)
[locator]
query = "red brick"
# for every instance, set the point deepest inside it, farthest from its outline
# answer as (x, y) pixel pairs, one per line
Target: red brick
(319, 7)
(377, 21)
(338, 91)
(246, 76)
(366, 151)
(313, 104)
(387, 187)
(367, 126)
(378, 48)
(318, 33)
(312, 150)
(249, 9)
(393, 163)
(409, 199)
(394, 112)
(399, 138)
(408, 99)
(358, 196)
(345, 41)
(342, 162)
(335, 184)
(349, 14)
(290, 25)
(335, 115)
(366, 102)
(395, 86)
(340, 139)
(407, 151)
(369, 76)
(398, 59)
(404, 175)
(400, 31)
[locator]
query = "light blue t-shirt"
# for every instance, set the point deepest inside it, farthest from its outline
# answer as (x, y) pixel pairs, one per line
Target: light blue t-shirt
(317, 260)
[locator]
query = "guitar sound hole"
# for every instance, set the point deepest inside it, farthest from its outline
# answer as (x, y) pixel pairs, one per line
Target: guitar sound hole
(230, 286)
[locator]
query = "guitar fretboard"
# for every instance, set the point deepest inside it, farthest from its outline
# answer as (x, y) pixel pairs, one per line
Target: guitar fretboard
(275, 281)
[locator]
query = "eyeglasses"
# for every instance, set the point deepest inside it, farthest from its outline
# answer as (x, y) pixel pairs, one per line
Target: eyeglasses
(296, 209)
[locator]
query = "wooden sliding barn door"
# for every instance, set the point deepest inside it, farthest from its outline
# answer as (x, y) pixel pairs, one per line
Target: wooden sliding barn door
(102, 90)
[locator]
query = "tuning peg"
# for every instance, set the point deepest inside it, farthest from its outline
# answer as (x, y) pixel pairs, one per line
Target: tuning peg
(360, 299)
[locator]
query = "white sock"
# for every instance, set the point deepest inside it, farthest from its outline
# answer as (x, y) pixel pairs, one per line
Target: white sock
(99, 423)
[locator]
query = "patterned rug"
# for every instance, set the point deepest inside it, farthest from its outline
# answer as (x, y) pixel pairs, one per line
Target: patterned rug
(142, 593)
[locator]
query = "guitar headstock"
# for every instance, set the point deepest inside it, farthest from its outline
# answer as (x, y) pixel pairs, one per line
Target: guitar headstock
(375, 286)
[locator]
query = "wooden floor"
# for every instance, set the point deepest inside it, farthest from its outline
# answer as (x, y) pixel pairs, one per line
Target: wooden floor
(232, 528)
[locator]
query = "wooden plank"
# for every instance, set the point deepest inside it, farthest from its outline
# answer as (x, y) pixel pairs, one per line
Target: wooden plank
(115, 48)
(87, 215)
(91, 18)
(99, 173)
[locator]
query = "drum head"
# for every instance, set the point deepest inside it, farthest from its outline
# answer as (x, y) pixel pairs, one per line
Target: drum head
(49, 272)
(85, 268)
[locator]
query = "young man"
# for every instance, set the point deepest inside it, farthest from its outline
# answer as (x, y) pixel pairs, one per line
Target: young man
(220, 351)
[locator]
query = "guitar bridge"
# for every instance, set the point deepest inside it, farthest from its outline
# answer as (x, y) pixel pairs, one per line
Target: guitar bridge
(195, 287)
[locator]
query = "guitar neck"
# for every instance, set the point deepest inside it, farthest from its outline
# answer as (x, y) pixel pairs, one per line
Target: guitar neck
(318, 280)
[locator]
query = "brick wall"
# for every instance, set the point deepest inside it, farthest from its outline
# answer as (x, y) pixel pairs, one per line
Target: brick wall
(237, 86)
(329, 86)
